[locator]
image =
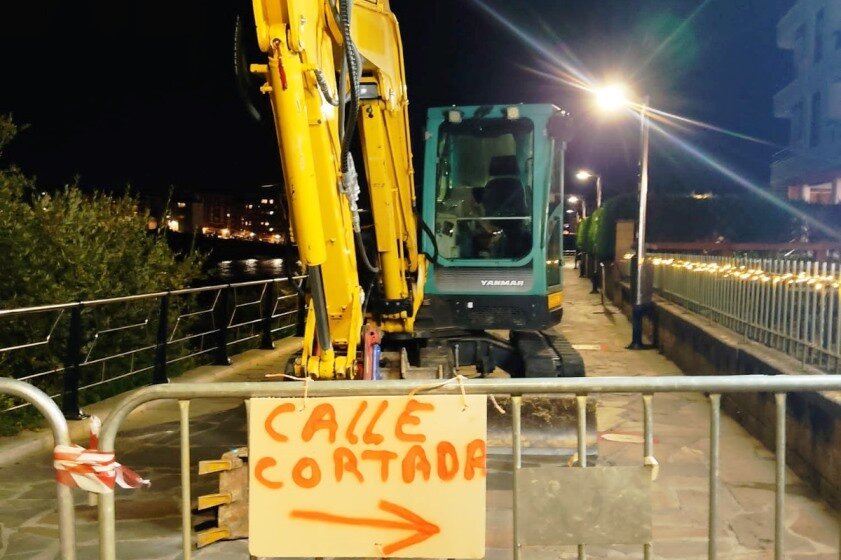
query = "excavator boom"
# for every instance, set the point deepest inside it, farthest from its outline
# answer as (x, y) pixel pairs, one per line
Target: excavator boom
(334, 69)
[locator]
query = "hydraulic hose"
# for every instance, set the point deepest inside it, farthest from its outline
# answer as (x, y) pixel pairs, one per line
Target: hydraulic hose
(364, 253)
(325, 89)
(353, 65)
(428, 231)
(351, 68)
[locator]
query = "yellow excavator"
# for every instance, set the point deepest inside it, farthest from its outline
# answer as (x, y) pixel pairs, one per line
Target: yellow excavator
(484, 254)
(483, 257)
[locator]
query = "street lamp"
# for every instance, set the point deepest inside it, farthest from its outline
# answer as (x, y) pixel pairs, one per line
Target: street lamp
(585, 175)
(575, 200)
(612, 97)
(609, 99)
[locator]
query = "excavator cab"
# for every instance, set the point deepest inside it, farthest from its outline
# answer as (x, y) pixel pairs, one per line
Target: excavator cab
(493, 209)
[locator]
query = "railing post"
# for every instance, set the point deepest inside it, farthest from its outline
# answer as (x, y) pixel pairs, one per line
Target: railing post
(159, 373)
(301, 315)
(221, 319)
(267, 306)
(72, 361)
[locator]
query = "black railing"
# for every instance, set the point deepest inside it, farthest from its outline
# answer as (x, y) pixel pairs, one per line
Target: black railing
(80, 352)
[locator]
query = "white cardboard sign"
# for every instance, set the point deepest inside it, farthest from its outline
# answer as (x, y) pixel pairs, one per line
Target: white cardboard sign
(368, 477)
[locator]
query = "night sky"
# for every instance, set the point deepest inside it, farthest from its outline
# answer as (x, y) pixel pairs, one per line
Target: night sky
(142, 92)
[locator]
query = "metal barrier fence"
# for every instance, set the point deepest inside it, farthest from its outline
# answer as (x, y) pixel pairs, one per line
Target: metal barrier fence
(791, 306)
(61, 436)
(67, 348)
(645, 387)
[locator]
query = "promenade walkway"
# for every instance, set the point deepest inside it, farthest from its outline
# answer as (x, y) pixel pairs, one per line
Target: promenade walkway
(148, 520)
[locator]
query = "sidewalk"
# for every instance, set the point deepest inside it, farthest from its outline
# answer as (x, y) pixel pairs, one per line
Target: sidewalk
(27, 491)
(681, 430)
(148, 525)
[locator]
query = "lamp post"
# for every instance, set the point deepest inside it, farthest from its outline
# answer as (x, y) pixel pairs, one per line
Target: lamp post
(585, 175)
(642, 298)
(610, 99)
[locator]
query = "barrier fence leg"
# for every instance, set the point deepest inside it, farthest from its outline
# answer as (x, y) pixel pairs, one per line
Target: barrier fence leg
(780, 504)
(715, 431)
(516, 404)
(648, 452)
(107, 521)
(186, 520)
(72, 361)
(581, 404)
(61, 436)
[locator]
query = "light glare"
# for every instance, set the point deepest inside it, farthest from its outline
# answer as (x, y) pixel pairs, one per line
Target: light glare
(611, 98)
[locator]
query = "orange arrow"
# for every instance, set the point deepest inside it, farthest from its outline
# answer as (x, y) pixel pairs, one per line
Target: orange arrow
(423, 528)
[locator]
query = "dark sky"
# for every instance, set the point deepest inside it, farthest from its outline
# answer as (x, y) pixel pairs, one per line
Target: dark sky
(142, 91)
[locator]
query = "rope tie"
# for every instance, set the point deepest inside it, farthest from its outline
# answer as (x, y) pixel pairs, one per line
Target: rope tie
(496, 405)
(460, 379)
(305, 380)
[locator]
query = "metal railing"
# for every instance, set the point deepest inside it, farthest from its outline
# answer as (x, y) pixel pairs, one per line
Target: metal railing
(61, 436)
(123, 342)
(646, 387)
(791, 306)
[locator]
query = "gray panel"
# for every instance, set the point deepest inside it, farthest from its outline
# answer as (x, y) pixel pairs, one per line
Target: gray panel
(492, 280)
(593, 505)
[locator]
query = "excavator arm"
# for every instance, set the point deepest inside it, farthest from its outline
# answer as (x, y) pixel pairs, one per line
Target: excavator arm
(334, 72)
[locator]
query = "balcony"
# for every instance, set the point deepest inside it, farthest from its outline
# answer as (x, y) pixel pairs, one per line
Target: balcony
(787, 98)
(787, 27)
(805, 166)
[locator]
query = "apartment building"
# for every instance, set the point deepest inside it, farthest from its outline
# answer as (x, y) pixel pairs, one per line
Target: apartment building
(810, 169)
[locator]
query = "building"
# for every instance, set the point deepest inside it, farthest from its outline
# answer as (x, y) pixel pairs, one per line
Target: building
(810, 169)
(256, 215)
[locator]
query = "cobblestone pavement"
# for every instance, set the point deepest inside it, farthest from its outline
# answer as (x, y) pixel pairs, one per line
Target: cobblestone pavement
(148, 524)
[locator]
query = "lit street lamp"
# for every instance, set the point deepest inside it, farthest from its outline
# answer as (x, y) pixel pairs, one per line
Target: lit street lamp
(610, 99)
(575, 200)
(585, 175)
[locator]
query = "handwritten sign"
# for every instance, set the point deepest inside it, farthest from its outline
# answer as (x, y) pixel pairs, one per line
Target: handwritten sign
(368, 477)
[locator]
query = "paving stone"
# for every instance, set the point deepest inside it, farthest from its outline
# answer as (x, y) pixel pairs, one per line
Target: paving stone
(31, 544)
(148, 525)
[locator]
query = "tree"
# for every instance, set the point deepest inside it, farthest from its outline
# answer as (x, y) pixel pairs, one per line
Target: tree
(69, 246)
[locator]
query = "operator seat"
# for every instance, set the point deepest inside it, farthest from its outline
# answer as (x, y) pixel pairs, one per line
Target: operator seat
(504, 196)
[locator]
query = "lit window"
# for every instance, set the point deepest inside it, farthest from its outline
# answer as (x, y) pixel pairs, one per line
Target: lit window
(264, 201)
(182, 204)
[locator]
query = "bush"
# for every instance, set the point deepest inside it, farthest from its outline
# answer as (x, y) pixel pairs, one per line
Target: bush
(622, 207)
(593, 231)
(70, 246)
(582, 235)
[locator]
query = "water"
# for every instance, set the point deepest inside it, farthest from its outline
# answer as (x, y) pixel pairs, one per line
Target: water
(244, 270)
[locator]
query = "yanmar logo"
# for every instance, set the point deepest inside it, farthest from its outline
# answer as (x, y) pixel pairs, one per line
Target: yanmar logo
(503, 282)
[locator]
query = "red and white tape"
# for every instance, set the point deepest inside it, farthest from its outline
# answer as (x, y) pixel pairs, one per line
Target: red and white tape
(93, 470)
